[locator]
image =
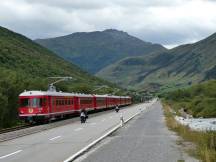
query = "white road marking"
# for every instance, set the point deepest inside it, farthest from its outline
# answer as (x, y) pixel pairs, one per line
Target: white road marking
(2, 157)
(51, 139)
(78, 129)
(74, 156)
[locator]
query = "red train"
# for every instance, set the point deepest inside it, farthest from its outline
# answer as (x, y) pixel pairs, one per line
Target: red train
(43, 106)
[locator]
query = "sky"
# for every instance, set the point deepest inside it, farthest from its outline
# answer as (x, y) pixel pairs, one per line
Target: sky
(167, 22)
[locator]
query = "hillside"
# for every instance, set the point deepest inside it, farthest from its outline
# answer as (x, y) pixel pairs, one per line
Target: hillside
(199, 100)
(26, 65)
(20, 54)
(92, 51)
(178, 67)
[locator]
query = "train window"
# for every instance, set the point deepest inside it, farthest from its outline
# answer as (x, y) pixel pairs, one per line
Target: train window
(68, 102)
(58, 102)
(101, 100)
(85, 100)
(43, 101)
(36, 102)
(25, 102)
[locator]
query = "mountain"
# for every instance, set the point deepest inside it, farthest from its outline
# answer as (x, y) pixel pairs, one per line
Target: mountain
(178, 67)
(20, 54)
(92, 51)
(25, 64)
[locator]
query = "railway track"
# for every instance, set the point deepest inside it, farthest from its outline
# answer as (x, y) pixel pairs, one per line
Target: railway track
(6, 130)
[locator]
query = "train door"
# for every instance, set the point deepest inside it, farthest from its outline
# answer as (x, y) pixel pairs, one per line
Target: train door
(106, 99)
(94, 102)
(51, 104)
(76, 103)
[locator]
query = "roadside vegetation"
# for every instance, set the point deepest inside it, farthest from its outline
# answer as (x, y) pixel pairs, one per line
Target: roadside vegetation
(205, 142)
(199, 101)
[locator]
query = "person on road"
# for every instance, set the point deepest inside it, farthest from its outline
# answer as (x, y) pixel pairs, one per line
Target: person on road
(83, 116)
(121, 119)
(117, 108)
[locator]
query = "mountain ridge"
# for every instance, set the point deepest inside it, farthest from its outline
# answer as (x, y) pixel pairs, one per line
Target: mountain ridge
(179, 67)
(101, 48)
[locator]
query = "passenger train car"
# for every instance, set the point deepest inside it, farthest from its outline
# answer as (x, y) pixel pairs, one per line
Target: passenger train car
(41, 106)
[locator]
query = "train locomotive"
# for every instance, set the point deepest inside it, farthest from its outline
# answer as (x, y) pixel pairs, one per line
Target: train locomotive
(43, 106)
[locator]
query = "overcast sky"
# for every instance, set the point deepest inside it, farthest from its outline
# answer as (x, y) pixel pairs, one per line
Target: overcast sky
(168, 22)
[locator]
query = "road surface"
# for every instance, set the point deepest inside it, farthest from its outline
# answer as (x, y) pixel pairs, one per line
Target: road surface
(144, 139)
(57, 144)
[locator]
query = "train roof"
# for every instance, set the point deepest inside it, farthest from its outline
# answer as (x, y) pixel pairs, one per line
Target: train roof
(50, 93)
(54, 93)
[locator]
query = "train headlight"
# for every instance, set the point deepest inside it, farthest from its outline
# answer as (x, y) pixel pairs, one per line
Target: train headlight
(30, 110)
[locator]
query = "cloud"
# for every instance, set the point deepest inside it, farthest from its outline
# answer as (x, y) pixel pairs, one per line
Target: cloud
(168, 22)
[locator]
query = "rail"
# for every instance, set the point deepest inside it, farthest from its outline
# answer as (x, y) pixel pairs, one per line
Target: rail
(6, 130)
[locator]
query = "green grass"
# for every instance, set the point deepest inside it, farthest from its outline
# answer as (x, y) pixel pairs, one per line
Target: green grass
(205, 142)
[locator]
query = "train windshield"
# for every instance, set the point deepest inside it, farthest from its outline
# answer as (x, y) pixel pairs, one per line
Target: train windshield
(25, 102)
(33, 102)
(36, 102)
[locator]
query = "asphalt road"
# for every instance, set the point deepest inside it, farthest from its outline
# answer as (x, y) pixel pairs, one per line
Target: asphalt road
(144, 139)
(57, 144)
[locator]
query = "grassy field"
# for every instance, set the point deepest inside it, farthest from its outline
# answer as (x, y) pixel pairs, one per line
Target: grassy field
(205, 142)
